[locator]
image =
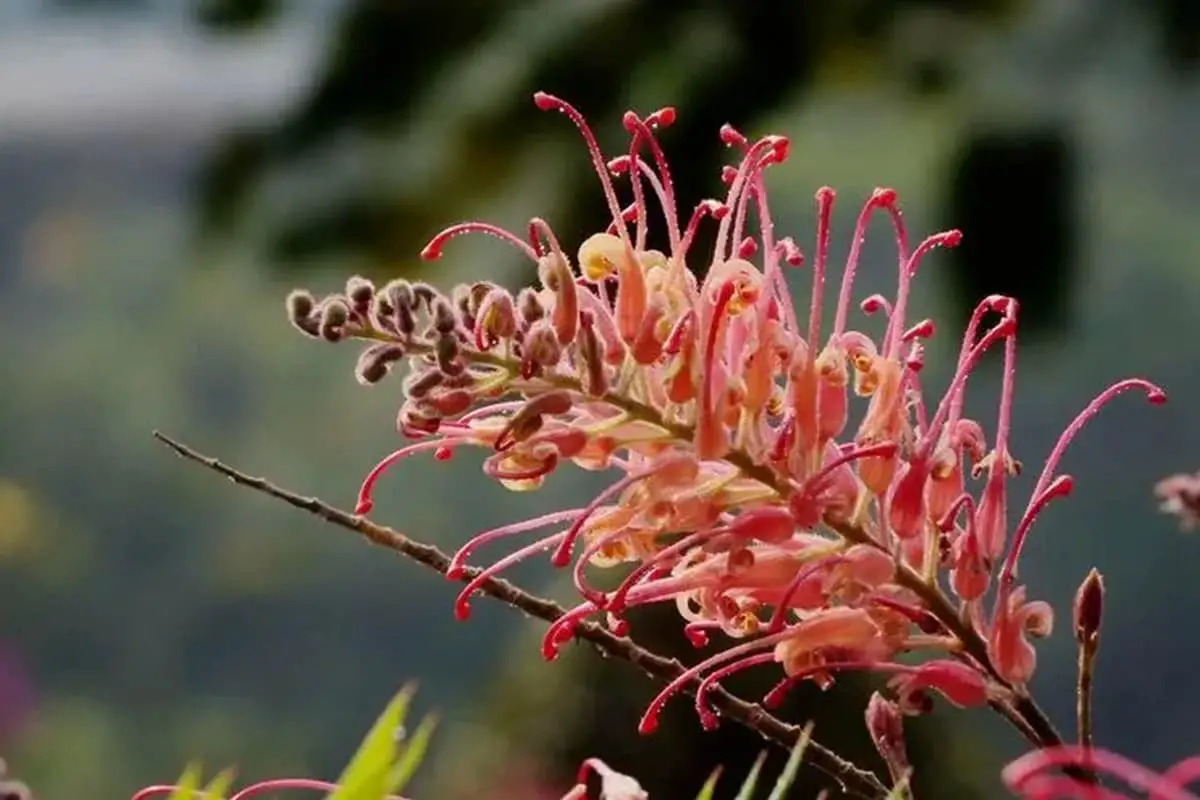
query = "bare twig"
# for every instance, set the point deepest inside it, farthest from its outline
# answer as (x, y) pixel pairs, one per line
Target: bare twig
(853, 780)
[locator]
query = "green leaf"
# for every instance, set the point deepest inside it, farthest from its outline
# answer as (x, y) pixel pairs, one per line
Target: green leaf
(790, 770)
(188, 783)
(410, 759)
(366, 776)
(710, 786)
(901, 790)
(218, 787)
(747, 790)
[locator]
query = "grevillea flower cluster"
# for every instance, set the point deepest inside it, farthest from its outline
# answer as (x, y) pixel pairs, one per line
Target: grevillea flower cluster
(788, 482)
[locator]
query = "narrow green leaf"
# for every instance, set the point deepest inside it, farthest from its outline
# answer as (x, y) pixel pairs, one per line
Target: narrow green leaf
(188, 783)
(747, 790)
(218, 787)
(710, 786)
(365, 777)
(410, 759)
(901, 790)
(792, 768)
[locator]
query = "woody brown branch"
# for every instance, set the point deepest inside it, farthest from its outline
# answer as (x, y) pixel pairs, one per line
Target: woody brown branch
(853, 780)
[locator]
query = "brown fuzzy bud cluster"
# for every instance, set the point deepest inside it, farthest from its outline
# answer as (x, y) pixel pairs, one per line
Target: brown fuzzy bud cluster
(435, 332)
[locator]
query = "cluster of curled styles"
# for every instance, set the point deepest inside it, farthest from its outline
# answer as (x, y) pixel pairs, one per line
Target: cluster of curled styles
(748, 498)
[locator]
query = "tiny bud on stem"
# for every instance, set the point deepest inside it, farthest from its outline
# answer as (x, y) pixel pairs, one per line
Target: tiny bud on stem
(1089, 608)
(885, 724)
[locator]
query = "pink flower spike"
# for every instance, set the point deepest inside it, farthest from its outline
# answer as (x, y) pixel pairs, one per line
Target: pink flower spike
(711, 208)
(433, 250)
(908, 270)
(458, 560)
(779, 617)
(737, 653)
(1041, 491)
(758, 155)
(548, 102)
(824, 198)
(364, 504)
(562, 556)
(1059, 487)
(1005, 329)
(666, 189)
(1018, 774)
(880, 198)
(615, 603)
(1154, 395)
(708, 718)
(462, 604)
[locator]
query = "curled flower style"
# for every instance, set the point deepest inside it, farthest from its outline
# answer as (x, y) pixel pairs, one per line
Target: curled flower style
(751, 494)
(1036, 775)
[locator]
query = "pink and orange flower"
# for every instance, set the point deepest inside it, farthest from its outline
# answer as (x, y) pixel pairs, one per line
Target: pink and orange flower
(751, 495)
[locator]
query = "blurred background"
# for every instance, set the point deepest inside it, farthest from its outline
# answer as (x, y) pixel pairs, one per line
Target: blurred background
(170, 169)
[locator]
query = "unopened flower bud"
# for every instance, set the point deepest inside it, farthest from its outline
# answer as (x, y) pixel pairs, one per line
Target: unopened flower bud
(335, 314)
(542, 346)
(399, 294)
(591, 352)
(444, 318)
(1088, 609)
(529, 419)
(496, 319)
(885, 724)
(418, 384)
(447, 351)
(300, 307)
(360, 292)
(451, 402)
(424, 295)
(375, 361)
(529, 306)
